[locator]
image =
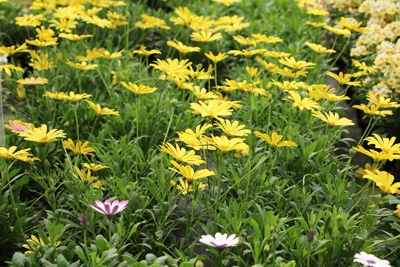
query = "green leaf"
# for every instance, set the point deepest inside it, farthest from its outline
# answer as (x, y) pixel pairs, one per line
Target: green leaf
(62, 262)
(19, 260)
(101, 244)
(79, 251)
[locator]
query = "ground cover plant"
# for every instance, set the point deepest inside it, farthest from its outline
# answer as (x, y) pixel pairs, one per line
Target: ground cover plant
(152, 133)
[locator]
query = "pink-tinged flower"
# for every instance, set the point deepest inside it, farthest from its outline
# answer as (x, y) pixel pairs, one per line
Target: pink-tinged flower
(18, 126)
(109, 209)
(370, 260)
(220, 241)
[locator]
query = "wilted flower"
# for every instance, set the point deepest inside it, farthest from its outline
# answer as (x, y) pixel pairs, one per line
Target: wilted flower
(84, 220)
(109, 209)
(370, 260)
(220, 241)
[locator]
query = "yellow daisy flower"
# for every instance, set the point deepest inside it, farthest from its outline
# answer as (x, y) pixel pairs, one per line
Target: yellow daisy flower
(41, 135)
(225, 145)
(302, 103)
(291, 62)
(181, 47)
(332, 119)
(138, 90)
(102, 111)
(319, 48)
(12, 153)
(274, 139)
(34, 242)
(385, 144)
(181, 154)
(185, 187)
(79, 148)
(86, 176)
(82, 66)
(384, 181)
(216, 58)
(189, 173)
(232, 128)
(94, 167)
(213, 108)
(376, 155)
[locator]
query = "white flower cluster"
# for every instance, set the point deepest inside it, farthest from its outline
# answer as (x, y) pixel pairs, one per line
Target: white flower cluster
(382, 43)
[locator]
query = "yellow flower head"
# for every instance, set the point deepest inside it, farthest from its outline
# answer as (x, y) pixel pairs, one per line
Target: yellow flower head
(17, 126)
(227, 2)
(33, 81)
(74, 37)
(181, 47)
(56, 95)
(181, 155)
(7, 68)
(213, 108)
(91, 54)
(12, 153)
(173, 67)
(302, 103)
(246, 41)
(151, 22)
(266, 39)
(86, 176)
(73, 97)
(41, 135)
(216, 58)
(232, 128)
(34, 242)
(94, 167)
(384, 181)
(138, 90)
(64, 24)
(185, 17)
(11, 50)
(397, 211)
(205, 36)
(189, 173)
(342, 78)
(364, 66)
(83, 65)
(225, 145)
(332, 119)
(274, 139)
(319, 48)
(102, 111)
(362, 171)
(353, 25)
(143, 51)
(381, 101)
(385, 144)
(376, 155)
(185, 187)
(202, 93)
(287, 86)
(373, 110)
(79, 148)
(291, 62)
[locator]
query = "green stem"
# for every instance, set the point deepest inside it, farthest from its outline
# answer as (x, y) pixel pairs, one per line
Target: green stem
(137, 137)
(7, 176)
(169, 125)
(340, 53)
(76, 121)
